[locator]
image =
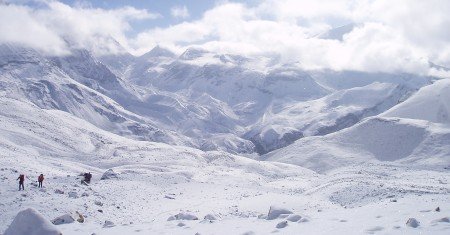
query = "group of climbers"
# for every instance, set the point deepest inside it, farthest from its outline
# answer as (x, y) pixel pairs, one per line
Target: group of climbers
(21, 179)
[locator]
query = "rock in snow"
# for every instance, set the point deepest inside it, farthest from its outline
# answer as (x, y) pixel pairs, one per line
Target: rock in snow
(282, 224)
(59, 191)
(210, 217)
(63, 219)
(275, 212)
(109, 174)
(412, 222)
(98, 203)
(108, 224)
(68, 218)
(73, 194)
(442, 220)
(294, 218)
(182, 216)
(31, 222)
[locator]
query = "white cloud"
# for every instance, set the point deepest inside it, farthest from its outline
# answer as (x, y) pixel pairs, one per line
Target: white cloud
(48, 28)
(17, 25)
(392, 36)
(179, 12)
(400, 36)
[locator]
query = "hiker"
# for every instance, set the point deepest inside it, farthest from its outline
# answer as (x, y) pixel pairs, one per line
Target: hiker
(87, 178)
(40, 180)
(21, 180)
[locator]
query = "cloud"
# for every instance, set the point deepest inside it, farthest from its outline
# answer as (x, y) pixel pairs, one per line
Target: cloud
(49, 27)
(180, 12)
(17, 25)
(389, 36)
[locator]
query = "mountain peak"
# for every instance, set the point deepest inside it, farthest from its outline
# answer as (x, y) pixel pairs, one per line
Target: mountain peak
(158, 51)
(193, 53)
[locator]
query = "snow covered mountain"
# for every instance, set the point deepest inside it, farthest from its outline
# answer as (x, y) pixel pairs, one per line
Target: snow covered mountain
(163, 189)
(63, 116)
(255, 102)
(201, 99)
(331, 113)
(77, 85)
(415, 132)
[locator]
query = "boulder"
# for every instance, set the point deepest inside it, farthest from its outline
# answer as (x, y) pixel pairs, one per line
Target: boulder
(442, 220)
(210, 217)
(108, 224)
(98, 203)
(282, 224)
(73, 194)
(182, 216)
(275, 212)
(59, 191)
(109, 174)
(294, 218)
(63, 219)
(412, 222)
(69, 218)
(31, 222)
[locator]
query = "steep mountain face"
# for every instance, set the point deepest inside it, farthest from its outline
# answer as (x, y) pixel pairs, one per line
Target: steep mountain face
(201, 99)
(27, 75)
(414, 132)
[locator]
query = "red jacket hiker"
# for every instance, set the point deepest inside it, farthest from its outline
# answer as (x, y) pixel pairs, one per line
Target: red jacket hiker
(40, 180)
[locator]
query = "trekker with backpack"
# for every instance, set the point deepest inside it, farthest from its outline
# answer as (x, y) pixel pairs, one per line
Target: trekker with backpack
(40, 180)
(21, 180)
(87, 178)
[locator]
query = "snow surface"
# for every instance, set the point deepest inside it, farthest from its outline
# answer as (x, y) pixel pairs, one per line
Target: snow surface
(69, 115)
(156, 181)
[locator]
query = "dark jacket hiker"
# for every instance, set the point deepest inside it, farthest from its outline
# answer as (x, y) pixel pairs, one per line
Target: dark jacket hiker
(21, 180)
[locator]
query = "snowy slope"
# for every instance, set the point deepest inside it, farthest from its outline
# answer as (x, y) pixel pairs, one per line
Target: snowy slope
(431, 103)
(68, 115)
(331, 113)
(156, 181)
(421, 140)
